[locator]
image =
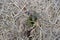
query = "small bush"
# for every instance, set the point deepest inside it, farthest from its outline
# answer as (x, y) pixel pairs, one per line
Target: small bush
(31, 20)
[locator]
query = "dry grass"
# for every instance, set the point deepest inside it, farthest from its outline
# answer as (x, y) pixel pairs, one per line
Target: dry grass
(15, 13)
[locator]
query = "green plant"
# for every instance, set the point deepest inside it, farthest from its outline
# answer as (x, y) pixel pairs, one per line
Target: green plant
(31, 20)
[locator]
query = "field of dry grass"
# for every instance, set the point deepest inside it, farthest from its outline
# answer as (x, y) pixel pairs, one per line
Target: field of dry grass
(29, 19)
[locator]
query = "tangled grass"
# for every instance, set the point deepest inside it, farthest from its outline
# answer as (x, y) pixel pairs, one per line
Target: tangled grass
(17, 17)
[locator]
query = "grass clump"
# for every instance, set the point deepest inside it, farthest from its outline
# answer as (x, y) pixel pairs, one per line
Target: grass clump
(31, 20)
